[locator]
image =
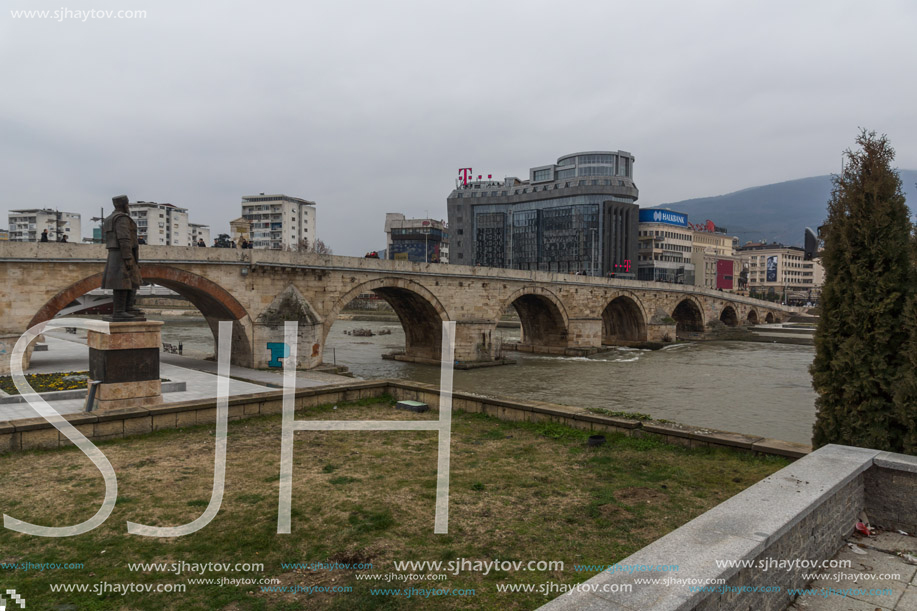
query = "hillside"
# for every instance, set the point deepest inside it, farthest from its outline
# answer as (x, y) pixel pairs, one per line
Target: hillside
(778, 212)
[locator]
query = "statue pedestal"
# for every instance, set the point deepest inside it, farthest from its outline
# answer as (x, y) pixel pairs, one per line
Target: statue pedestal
(126, 362)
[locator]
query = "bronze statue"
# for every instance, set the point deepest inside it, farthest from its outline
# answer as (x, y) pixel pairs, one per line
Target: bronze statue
(122, 270)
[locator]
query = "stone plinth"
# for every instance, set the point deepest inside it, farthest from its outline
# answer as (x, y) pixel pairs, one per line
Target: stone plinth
(126, 362)
(7, 342)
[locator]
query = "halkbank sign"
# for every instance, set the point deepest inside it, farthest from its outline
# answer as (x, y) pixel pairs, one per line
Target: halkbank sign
(654, 215)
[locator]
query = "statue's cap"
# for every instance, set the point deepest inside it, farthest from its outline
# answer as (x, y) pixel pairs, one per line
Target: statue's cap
(119, 200)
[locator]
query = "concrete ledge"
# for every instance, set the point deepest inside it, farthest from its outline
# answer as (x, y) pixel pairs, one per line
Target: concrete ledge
(781, 448)
(898, 462)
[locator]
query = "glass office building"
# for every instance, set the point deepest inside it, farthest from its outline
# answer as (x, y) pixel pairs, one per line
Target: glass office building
(575, 216)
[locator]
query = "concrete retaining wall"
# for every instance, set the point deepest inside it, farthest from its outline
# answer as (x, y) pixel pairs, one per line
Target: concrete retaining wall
(37, 433)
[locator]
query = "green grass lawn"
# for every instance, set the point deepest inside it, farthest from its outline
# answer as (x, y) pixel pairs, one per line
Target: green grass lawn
(518, 492)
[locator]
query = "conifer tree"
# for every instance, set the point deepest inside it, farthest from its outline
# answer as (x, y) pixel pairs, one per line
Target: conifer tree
(906, 395)
(862, 341)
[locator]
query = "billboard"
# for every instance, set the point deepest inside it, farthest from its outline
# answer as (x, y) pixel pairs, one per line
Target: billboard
(724, 274)
(772, 268)
(654, 215)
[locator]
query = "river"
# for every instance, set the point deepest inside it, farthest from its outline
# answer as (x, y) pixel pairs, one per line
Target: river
(754, 388)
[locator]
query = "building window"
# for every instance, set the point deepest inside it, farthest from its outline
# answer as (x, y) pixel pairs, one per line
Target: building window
(541, 174)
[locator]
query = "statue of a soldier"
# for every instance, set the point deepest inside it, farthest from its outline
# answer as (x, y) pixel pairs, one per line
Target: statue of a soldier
(122, 270)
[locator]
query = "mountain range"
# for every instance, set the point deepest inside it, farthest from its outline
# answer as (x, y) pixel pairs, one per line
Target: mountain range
(779, 212)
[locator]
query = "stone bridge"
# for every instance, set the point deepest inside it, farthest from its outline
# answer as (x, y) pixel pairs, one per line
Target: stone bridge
(259, 289)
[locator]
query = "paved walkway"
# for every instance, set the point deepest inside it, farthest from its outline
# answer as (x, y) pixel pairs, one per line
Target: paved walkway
(884, 558)
(70, 353)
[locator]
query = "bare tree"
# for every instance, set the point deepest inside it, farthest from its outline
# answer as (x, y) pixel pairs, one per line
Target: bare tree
(322, 248)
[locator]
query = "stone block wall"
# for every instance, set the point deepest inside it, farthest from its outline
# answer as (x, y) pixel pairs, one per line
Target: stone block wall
(891, 492)
(817, 535)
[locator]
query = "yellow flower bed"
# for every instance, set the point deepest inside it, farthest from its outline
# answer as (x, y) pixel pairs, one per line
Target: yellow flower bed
(46, 382)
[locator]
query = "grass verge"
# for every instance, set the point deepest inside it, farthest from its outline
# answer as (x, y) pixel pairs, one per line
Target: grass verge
(518, 492)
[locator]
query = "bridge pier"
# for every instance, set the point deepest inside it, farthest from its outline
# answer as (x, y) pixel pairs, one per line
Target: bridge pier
(584, 333)
(269, 348)
(475, 341)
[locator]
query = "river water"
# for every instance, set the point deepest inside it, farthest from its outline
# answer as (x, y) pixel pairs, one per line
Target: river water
(754, 388)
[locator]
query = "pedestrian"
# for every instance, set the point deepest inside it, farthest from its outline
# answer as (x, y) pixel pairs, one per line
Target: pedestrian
(44, 235)
(63, 239)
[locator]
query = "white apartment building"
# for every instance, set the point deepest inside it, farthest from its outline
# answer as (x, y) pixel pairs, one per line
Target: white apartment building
(280, 222)
(199, 232)
(27, 225)
(161, 224)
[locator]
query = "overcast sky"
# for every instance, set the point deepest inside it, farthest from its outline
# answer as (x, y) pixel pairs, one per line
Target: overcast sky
(371, 107)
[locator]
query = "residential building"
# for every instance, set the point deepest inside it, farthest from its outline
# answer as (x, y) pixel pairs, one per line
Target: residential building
(713, 256)
(161, 224)
(781, 270)
(28, 225)
(280, 222)
(577, 215)
(666, 247)
(199, 232)
(420, 240)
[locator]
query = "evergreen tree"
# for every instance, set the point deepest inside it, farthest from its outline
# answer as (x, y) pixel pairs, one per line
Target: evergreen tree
(861, 365)
(906, 395)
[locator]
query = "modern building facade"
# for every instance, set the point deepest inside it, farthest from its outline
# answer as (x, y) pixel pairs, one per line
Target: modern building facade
(161, 224)
(666, 246)
(28, 225)
(778, 269)
(577, 215)
(419, 240)
(280, 222)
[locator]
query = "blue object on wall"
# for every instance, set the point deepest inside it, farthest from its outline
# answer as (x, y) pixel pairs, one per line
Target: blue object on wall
(279, 350)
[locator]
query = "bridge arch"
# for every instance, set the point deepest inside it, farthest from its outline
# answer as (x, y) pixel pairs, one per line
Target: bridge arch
(689, 316)
(770, 318)
(623, 320)
(212, 300)
(729, 317)
(752, 317)
(421, 314)
(543, 316)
